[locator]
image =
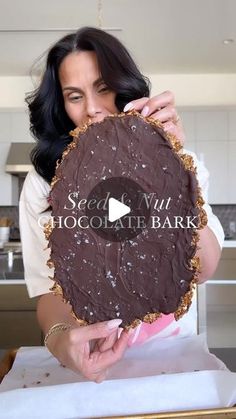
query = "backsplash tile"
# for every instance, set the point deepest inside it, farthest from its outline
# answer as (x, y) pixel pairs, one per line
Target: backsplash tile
(12, 213)
(227, 217)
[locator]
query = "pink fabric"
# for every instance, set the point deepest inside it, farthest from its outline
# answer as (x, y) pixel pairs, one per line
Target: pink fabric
(147, 330)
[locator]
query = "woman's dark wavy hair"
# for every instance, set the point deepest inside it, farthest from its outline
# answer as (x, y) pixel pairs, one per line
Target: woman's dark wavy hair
(49, 122)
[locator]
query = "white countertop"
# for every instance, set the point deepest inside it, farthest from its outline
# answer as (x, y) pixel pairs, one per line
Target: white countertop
(229, 243)
(12, 282)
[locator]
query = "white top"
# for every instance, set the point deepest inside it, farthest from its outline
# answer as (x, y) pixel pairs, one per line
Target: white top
(33, 204)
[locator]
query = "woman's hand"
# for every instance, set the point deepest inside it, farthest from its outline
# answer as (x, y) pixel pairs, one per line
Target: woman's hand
(90, 350)
(161, 107)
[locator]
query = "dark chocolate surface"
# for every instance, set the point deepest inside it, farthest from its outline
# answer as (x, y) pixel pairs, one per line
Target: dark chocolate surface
(150, 273)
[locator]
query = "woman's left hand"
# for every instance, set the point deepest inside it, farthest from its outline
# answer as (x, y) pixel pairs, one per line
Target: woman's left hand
(161, 107)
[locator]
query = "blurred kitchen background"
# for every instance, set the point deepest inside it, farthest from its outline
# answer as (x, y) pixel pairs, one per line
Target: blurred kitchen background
(186, 46)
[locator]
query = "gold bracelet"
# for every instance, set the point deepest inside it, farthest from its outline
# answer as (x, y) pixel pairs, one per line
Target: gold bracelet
(58, 327)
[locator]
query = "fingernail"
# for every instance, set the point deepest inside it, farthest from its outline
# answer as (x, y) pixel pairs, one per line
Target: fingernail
(167, 126)
(145, 111)
(128, 107)
(136, 332)
(113, 324)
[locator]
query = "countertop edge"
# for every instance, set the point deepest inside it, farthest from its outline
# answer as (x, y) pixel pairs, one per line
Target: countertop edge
(229, 243)
(12, 282)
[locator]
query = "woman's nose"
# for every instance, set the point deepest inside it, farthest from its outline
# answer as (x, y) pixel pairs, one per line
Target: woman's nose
(92, 107)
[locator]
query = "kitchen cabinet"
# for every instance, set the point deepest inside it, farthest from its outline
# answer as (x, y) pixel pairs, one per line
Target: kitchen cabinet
(211, 125)
(217, 299)
(8, 183)
(211, 134)
(232, 171)
(18, 322)
(215, 158)
(14, 127)
(232, 125)
(212, 148)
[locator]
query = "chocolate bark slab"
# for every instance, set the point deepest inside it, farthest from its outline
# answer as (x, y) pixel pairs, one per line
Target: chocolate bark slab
(138, 277)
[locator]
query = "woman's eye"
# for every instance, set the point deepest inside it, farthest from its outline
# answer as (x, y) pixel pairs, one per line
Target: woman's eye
(75, 98)
(103, 89)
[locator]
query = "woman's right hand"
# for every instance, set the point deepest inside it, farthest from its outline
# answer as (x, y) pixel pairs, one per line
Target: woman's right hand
(76, 350)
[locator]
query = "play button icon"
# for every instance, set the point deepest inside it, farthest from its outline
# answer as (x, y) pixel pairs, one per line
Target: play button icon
(116, 209)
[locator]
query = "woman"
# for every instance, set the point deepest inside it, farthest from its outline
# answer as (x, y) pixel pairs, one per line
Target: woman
(88, 75)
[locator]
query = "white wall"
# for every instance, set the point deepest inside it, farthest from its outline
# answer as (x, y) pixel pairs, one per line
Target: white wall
(13, 90)
(189, 89)
(197, 89)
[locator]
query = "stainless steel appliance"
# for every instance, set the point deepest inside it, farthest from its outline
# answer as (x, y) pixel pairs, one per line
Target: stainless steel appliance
(18, 159)
(11, 264)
